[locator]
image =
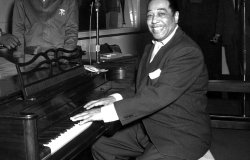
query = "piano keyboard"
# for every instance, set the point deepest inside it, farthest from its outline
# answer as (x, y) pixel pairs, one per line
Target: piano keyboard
(65, 137)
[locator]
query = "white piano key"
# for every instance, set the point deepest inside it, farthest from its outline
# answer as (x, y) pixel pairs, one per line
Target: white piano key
(66, 137)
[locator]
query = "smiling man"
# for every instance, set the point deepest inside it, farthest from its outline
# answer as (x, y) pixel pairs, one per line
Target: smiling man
(166, 119)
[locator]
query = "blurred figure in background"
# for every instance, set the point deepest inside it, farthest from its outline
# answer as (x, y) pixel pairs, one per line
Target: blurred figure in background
(44, 24)
(7, 43)
(228, 30)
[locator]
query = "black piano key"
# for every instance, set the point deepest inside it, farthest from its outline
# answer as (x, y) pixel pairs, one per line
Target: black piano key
(44, 151)
(43, 140)
(46, 137)
(56, 130)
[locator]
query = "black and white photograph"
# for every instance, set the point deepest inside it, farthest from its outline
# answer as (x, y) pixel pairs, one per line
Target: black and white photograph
(124, 79)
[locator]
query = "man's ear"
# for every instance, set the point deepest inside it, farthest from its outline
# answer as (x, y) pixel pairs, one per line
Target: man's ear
(176, 16)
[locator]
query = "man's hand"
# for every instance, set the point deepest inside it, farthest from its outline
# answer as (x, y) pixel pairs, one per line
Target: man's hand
(93, 114)
(10, 41)
(100, 102)
(88, 116)
(215, 39)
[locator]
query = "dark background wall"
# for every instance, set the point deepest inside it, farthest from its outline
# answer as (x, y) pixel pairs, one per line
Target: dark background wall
(198, 19)
(248, 37)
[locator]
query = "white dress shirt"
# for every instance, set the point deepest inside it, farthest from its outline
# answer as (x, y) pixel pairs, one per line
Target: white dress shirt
(158, 45)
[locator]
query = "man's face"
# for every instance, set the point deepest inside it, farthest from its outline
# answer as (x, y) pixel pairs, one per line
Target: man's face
(160, 19)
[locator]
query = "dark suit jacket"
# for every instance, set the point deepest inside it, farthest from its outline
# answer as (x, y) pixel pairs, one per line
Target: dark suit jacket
(228, 22)
(172, 106)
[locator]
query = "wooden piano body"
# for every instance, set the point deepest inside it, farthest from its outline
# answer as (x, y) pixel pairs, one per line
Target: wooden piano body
(43, 109)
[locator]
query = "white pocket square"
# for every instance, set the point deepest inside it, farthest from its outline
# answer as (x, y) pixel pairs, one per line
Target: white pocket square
(155, 74)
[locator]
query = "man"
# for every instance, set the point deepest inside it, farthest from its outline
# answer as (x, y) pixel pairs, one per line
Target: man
(45, 24)
(228, 29)
(166, 118)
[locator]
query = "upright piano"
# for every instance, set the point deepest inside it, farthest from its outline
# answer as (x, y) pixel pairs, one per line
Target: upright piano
(34, 122)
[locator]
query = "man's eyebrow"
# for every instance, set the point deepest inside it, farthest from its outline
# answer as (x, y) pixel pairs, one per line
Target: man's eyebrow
(162, 9)
(159, 9)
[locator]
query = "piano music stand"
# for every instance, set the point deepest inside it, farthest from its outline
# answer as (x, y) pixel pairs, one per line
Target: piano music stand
(45, 70)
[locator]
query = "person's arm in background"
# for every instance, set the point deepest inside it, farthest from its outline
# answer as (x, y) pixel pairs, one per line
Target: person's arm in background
(219, 22)
(8, 40)
(71, 30)
(18, 27)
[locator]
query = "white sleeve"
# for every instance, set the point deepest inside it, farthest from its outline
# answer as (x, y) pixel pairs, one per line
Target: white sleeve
(109, 113)
(117, 96)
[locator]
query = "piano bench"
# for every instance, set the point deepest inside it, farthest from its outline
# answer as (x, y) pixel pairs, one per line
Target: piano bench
(207, 156)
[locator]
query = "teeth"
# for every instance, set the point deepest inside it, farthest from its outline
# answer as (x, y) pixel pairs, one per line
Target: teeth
(158, 29)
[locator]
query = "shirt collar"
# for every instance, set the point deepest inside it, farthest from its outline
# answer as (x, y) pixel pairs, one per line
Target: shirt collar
(166, 40)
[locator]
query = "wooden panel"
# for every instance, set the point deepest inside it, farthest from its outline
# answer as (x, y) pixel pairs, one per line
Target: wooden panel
(229, 86)
(18, 137)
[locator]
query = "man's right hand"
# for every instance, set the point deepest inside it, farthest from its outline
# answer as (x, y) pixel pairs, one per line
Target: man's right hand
(9, 41)
(215, 39)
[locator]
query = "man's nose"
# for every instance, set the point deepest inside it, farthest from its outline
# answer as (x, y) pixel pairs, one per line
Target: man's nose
(154, 19)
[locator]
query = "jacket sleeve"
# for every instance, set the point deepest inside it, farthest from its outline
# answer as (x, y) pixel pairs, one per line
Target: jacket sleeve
(71, 31)
(18, 26)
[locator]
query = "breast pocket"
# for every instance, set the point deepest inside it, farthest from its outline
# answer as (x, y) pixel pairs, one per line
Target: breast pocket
(154, 76)
(60, 17)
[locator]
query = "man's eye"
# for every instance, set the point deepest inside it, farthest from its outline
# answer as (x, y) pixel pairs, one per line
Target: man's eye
(149, 16)
(162, 14)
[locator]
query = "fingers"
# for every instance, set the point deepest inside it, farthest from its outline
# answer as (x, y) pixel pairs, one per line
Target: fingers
(10, 41)
(80, 116)
(85, 119)
(11, 44)
(14, 41)
(91, 118)
(99, 102)
(90, 115)
(92, 104)
(93, 114)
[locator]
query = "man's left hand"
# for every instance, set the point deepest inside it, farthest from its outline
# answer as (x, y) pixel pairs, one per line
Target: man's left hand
(100, 102)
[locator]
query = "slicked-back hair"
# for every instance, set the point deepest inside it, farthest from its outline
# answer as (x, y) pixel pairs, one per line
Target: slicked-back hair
(173, 5)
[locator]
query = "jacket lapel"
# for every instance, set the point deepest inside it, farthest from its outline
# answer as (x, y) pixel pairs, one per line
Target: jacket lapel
(146, 67)
(164, 50)
(144, 64)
